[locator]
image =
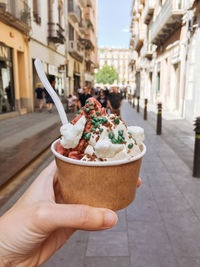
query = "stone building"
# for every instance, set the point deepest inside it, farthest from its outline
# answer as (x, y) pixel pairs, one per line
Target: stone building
(82, 46)
(159, 39)
(119, 59)
(15, 78)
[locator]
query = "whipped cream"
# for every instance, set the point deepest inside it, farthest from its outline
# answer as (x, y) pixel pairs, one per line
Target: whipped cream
(71, 134)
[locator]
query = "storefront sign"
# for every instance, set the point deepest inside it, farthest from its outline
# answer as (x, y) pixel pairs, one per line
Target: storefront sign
(53, 70)
(4, 52)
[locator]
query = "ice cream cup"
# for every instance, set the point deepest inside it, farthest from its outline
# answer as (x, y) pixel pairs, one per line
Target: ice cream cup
(107, 184)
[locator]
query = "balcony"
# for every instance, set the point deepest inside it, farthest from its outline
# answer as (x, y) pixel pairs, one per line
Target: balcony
(90, 36)
(91, 56)
(147, 50)
(89, 16)
(16, 14)
(168, 20)
(83, 27)
(83, 3)
(139, 39)
(74, 11)
(56, 33)
(75, 50)
(148, 11)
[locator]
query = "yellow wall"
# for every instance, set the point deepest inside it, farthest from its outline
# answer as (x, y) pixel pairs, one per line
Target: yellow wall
(21, 65)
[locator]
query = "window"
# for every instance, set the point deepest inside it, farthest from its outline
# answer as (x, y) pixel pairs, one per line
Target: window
(36, 12)
(71, 33)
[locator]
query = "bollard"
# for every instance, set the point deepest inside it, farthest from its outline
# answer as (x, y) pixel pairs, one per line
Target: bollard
(159, 119)
(145, 108)
(138, 104)
(134, 101)
(196, 164)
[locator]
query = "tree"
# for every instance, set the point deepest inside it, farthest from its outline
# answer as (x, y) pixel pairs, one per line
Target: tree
(107, 74)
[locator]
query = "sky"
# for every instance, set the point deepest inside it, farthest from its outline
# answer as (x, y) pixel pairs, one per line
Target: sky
(114, 23)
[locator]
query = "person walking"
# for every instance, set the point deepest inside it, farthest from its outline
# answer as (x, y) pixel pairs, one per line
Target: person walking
(83, 97)
(102, 98)
(49, 102)
(115, 101)
(39, 95)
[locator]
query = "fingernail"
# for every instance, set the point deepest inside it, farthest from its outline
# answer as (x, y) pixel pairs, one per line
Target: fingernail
(110, 218)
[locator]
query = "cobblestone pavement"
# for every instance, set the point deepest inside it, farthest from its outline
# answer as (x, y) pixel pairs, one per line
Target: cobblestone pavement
(161, 228)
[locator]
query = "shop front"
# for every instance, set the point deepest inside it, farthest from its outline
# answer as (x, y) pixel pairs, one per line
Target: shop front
(7, 94)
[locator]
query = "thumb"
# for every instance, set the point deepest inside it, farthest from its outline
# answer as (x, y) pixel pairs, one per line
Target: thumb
(76, 216)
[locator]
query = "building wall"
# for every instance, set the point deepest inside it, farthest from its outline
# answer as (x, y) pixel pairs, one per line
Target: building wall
(119, 58)
(18, 42)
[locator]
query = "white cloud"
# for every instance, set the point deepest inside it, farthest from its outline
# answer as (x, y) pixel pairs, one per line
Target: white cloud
(125, 30)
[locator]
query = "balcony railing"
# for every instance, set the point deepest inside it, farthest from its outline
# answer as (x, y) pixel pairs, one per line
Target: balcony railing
(91, 37)
(168, 20)
(148, 10)
(83, 27)
(75, 50)
(147, 50)
(139, 39)
(83, 3)
(89, 16)
(56, 33)
(91, 56)
(74, 11)
(16, 13)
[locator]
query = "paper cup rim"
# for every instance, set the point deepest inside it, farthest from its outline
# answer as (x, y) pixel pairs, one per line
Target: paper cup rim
(96, 163)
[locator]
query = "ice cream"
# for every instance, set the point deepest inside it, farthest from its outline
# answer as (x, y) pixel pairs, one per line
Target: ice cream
(96, 136)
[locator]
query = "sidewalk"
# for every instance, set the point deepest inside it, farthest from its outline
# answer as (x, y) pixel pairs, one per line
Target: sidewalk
(23, 138)
(161, 228)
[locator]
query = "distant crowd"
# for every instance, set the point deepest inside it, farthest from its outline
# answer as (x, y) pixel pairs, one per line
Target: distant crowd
(111, 98)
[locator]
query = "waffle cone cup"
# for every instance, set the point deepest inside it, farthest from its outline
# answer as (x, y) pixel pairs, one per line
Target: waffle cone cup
(109, 185)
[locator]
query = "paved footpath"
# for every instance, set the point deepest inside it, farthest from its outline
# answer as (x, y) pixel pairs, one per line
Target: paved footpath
(161, 228)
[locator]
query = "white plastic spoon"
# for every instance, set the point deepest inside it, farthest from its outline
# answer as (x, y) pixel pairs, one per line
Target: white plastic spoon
(40, 71)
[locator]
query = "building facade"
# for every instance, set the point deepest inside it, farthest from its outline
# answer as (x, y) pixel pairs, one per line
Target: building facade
(15, 77)
(118, 58)
(159, 40)
(48, 41)
(82, 35)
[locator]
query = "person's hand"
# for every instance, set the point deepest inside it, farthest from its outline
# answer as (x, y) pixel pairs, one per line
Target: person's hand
(36, 226)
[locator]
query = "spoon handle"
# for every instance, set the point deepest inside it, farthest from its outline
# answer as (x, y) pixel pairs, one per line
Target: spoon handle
(50, 90)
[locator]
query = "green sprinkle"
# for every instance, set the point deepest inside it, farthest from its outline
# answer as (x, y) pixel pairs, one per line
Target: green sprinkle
(92, 108)
(101, 130)
(129, 133)
(93, 129)
(120, 139)
(114, 141)
(98, 113)
(96, 124)
(93, 122)
(93, 116)
(130, 145)
(104, 120)
(90, 104)
(111, 135)
(87, 110)
(116, 120)
(120, 132)
(87, 101)
(87, 136)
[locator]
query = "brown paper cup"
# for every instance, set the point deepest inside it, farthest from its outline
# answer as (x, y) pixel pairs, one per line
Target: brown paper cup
(109, 185)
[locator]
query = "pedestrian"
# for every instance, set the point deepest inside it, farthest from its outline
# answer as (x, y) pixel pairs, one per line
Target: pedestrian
(115, 101)
(39, 95)
(72, 103)
(49, 102)
(102, 98)
(83, 97)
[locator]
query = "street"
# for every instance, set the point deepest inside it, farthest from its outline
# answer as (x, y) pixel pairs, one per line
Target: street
(161, 227)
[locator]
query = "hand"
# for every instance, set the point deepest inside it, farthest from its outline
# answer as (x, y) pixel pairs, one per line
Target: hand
(36, 226)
